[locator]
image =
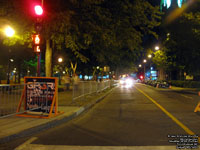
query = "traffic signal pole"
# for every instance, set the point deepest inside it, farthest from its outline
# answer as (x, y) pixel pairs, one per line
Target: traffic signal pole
(36, 37)
(38, 64)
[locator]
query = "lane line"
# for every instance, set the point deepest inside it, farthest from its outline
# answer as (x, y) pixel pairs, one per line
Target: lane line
(25, 144)
(186, 96)
(185, 128)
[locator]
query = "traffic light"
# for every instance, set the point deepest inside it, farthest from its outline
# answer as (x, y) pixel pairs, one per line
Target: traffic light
(38, 10)
(37, 49)
(39, 13)
(141, 77)
(36, 42)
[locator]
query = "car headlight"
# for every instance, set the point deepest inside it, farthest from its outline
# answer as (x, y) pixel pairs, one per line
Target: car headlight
(121, 81)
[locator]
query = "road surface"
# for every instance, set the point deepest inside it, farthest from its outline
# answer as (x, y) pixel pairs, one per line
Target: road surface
(141, 116)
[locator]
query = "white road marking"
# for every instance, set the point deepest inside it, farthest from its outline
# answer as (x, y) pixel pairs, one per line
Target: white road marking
(26, 144)
(186, 96)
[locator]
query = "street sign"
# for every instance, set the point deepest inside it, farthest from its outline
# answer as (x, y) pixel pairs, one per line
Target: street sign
(40, 97)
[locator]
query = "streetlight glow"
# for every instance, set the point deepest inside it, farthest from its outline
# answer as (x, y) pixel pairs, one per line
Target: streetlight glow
(60, 60)
(9, 31)
(149, 56)
(157, 48)
(144, 60)
(140, 65)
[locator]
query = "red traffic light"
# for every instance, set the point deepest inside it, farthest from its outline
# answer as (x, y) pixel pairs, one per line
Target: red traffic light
(141, 77)
(38, 10)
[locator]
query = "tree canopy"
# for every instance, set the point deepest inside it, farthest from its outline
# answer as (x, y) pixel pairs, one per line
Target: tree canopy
(96, 32)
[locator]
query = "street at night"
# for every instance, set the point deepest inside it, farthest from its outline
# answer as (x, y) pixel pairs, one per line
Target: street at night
(126, 117)
(99, 74)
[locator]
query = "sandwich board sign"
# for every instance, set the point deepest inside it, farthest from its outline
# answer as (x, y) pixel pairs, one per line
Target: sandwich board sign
(40, 97)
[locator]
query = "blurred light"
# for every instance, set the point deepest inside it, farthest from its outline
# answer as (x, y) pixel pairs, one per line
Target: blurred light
(14, 71)
(140, 65)
(97, 67)
(36, 39)
(86, 77)
(80, 76)
(9, 31)
(28, 71)
(149, 56)
(121, 81)
(157, 48)
(144, 60)
(141, 77)
(11, 60)
(56, 71)
(129, 81)
(38, 10)
(60, 60)
(63, 72)
(151, 68)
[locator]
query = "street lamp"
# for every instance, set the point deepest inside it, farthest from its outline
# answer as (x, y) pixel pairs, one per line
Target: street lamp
(60, 60)
(157, 48)
(149, 56)
(144, 61)
(9, 32)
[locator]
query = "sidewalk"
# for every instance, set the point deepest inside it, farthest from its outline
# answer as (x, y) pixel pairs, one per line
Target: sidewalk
(14, 127)
(188, 90)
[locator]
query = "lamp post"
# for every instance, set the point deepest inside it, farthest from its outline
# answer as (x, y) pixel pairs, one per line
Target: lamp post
(150, 56)
(60, 60)
(157, 48)
(9, 32)
(144, 61)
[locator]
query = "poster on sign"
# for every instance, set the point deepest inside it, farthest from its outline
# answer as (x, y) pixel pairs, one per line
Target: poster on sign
(39, 93)
(40, 97)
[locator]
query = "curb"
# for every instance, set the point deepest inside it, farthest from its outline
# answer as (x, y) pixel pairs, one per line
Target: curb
(45, 126)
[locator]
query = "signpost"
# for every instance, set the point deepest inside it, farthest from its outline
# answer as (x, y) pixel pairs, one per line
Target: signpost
(40, 97)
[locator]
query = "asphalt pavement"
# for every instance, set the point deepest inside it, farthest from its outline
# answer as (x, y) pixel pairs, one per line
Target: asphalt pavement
(141, 117)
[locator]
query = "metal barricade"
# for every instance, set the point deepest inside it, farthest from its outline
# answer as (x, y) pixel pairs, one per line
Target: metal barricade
(38, 98)
(84, 88)
(9, 98)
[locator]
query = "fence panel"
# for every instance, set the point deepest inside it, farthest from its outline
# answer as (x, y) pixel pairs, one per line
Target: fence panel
(90, 87)
(9, 98)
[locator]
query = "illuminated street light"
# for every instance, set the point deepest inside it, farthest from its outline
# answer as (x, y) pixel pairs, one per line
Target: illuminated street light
(149, 56)
(9, 32)
(60, 60)
(157, 48)
(144, 61)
